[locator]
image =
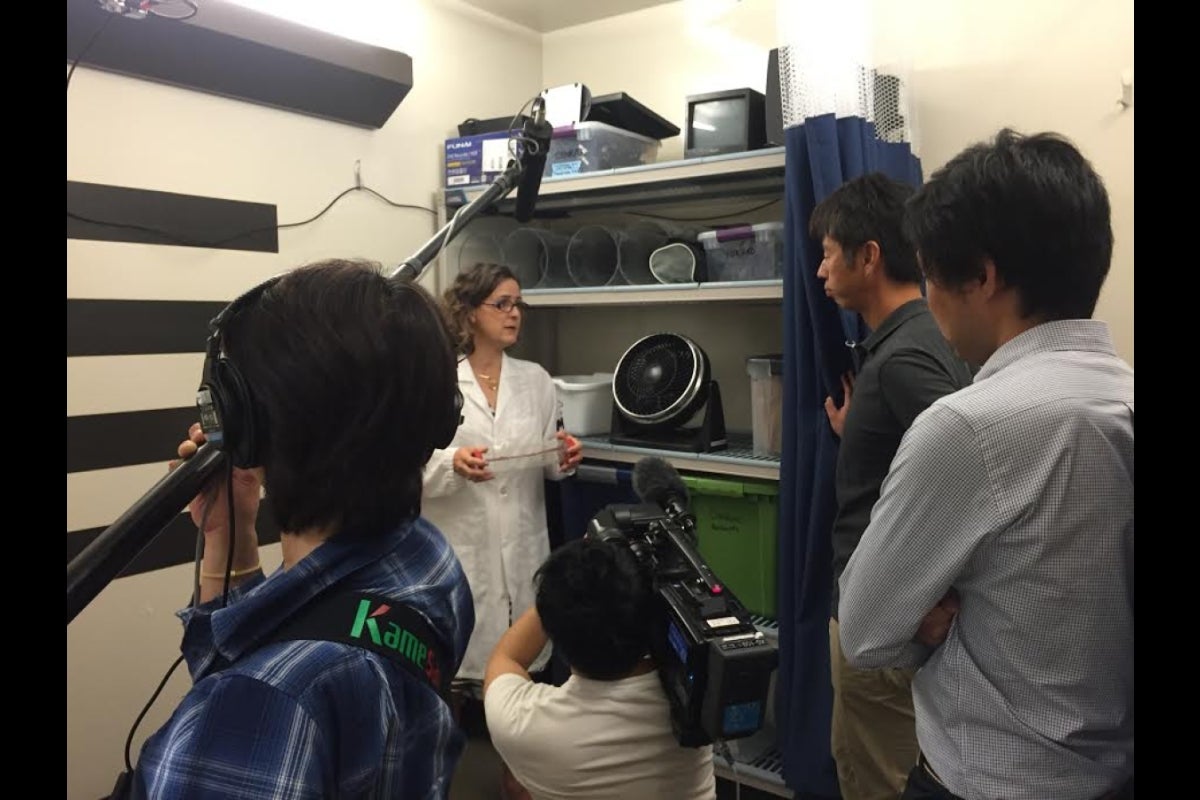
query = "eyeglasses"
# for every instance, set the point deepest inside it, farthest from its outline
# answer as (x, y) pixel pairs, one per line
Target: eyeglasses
(507, 304)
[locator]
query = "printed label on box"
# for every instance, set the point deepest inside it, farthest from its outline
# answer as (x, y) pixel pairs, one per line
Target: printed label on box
(495, 155)
(566, 168)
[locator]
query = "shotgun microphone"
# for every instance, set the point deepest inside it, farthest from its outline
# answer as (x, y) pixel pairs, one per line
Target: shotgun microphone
(536, 135)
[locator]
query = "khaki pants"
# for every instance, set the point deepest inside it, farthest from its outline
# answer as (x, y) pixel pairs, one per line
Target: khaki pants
(874, 738)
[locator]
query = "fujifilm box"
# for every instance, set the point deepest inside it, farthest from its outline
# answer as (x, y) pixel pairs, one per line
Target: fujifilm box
(475, 160)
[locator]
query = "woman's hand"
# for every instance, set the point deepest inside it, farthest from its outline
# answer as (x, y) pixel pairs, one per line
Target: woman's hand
(247, 491)
(572, 453)
(470, 464)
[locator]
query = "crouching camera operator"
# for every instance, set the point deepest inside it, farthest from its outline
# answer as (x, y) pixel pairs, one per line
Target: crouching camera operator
(606, 732)
(664, 658)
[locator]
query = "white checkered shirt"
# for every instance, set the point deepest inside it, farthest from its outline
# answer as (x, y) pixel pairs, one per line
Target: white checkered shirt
(1017, 491)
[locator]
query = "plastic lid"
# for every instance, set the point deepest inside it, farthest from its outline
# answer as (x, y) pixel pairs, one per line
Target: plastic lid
(567, 130)
(739, 231)
(576, 383)
(768, 364)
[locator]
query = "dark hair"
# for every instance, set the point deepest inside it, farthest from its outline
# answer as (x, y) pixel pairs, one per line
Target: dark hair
(346, 369)
(594, 602)
(1031, 204)
(870, 208)
(471, 287)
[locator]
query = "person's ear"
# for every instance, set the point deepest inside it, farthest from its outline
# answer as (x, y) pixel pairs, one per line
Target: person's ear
(869, 258)
(989, 281)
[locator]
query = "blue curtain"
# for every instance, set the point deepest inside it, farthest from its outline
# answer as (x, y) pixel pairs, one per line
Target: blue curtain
(822, 153)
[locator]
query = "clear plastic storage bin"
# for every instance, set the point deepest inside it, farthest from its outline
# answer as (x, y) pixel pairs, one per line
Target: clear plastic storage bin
(594, 146)
(744, 253)
(766, 404)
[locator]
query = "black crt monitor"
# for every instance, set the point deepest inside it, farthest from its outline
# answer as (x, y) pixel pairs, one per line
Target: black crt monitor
(730, 121)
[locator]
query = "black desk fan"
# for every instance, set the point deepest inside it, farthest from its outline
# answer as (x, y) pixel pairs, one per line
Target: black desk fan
(664, 397)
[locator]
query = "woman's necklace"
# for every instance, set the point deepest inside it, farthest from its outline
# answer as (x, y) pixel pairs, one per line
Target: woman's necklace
(488, 381)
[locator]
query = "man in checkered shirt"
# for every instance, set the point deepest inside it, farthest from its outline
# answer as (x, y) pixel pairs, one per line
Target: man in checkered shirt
(999, 557)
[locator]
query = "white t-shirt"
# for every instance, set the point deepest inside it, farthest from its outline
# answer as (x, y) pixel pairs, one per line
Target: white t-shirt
(595, 740)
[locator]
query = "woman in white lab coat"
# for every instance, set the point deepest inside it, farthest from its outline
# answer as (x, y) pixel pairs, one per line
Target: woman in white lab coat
(488, 504)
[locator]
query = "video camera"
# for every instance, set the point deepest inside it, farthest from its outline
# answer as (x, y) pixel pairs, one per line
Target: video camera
(715, 665)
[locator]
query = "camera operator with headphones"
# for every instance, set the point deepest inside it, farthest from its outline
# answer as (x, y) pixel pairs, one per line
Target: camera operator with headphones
(606, 733)
(331, 386)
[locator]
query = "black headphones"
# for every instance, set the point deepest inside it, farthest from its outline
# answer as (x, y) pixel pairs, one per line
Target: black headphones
(228, 415)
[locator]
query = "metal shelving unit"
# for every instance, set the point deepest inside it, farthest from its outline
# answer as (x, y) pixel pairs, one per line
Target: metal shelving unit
(737, 460)
(724, 183)
(764, 773)
(758, 172)
(742, 291)
(716, 183)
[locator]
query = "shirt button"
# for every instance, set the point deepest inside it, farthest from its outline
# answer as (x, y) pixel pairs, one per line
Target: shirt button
(503, 491)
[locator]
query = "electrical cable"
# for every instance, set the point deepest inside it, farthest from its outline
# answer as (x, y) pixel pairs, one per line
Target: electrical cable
(195, 601)
(153, 697)
(145, 7)
(704, 219)
(520, 138)
(87, 47)
(221, 242)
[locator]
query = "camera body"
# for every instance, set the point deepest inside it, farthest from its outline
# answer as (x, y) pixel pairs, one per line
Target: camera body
(715, 665)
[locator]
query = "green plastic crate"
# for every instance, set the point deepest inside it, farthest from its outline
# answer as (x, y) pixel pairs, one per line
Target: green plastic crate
(738, 526)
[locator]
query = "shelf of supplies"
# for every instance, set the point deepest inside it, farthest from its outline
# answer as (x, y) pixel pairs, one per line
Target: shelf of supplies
(758, 172)
(738, 459)
(739, 291)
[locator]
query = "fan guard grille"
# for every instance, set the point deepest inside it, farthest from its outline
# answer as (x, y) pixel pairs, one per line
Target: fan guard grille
(658, 376)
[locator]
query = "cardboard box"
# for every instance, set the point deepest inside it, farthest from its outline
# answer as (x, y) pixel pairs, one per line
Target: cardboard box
(476, 160)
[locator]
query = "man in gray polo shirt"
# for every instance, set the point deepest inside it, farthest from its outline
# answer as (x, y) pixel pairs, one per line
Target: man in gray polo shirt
(1016, 493)
(869, 267)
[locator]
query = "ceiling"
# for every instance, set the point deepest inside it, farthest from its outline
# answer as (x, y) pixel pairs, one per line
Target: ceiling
(544, 16)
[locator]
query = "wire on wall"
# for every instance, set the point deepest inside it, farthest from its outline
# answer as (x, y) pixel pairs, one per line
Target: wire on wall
(750, 210)
(87, 47)
(230, 239)
(134, 9)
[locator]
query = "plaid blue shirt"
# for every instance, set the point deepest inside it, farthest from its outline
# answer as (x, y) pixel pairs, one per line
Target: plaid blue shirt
(314, 719)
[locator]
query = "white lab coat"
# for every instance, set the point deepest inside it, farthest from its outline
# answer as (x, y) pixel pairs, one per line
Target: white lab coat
(497, 527)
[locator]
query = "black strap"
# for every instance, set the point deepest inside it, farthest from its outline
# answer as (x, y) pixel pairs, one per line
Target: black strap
(392, 630)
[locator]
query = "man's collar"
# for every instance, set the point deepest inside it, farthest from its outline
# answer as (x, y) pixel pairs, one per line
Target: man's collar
(893, 321)
(1079, 335)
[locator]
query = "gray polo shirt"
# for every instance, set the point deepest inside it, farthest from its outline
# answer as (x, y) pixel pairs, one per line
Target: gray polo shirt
(1018, 492)
(905, 365)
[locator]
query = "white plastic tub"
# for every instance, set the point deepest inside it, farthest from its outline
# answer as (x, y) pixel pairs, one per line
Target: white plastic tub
(586, 402)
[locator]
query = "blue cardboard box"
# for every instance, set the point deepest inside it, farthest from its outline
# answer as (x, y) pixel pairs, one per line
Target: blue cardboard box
(475, 160)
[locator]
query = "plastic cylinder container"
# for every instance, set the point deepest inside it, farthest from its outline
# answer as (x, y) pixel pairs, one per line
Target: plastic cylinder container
(479, 248)
(537, 257)
(636, 243)
(593, 256)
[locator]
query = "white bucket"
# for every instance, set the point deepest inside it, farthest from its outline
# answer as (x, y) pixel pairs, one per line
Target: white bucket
(586, 402)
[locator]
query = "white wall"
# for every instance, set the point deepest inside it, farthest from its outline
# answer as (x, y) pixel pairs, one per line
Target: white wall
(975, 67)
(128, 132)
(1034, 65)
(665, 53)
